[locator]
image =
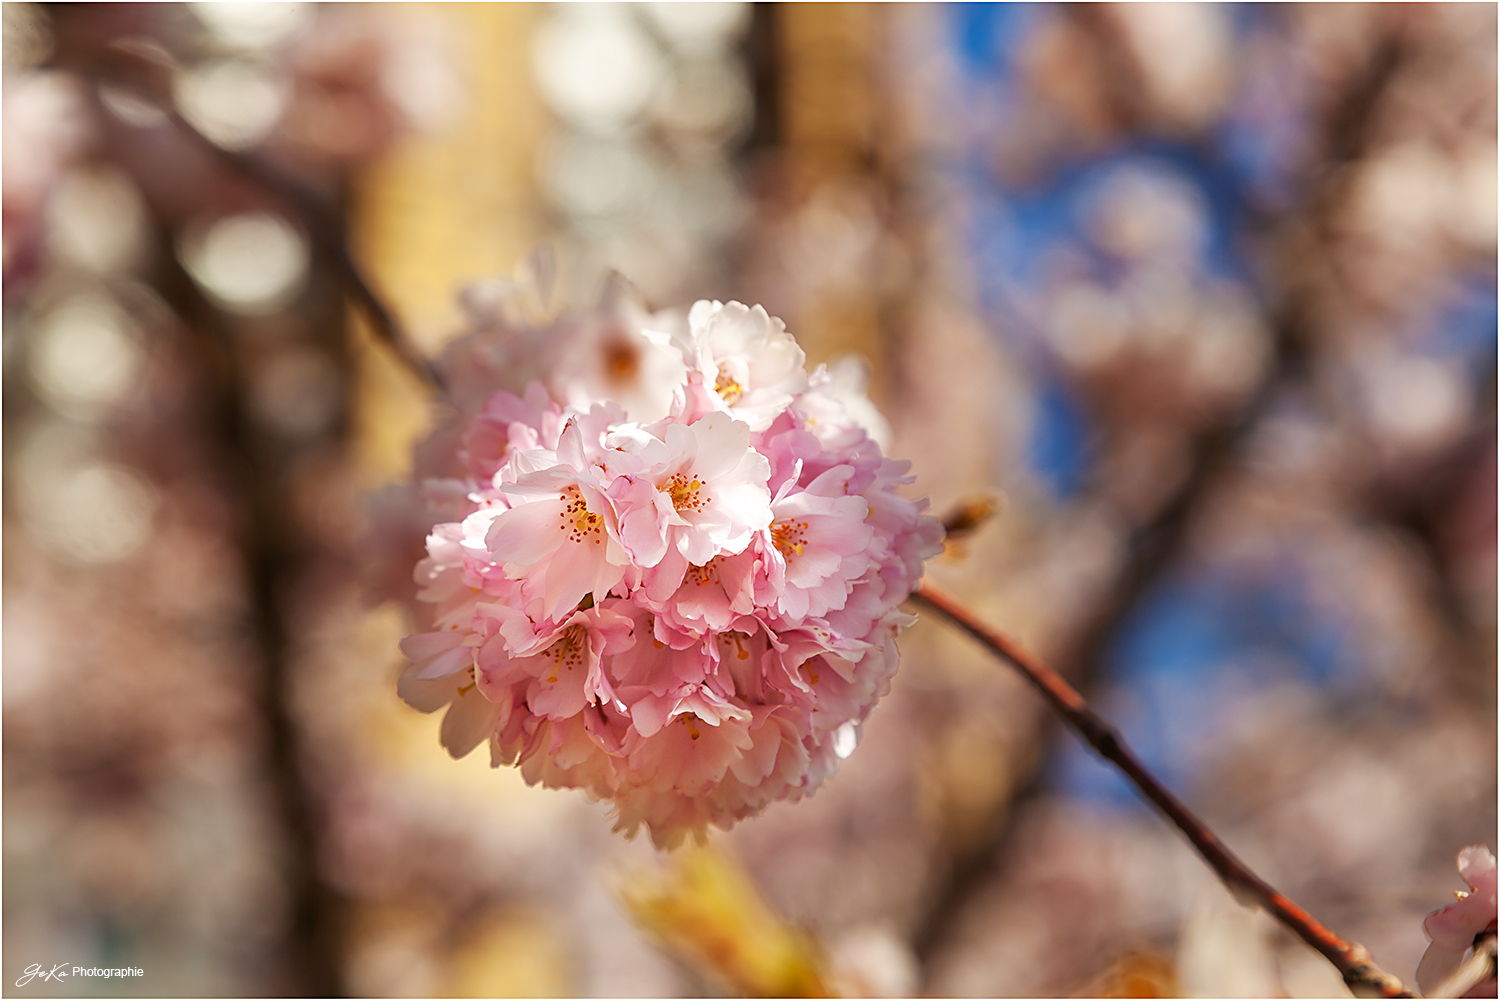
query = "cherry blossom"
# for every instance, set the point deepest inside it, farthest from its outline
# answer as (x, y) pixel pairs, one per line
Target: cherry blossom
(742, 360)
(680, 594)
(696, 493)
(1453, 929)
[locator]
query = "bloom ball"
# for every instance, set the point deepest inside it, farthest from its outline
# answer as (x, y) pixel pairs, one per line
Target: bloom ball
(670, 566)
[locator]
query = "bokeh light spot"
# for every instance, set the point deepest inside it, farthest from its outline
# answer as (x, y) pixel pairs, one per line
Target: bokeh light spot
(235, 102)
(252, 263)
(93, 513)
(699, 29)
(251, 25)
(97, 219)
(85, 357)
(596, 177)
(595, 67)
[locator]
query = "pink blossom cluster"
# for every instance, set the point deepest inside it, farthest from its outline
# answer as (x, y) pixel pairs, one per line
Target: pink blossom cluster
(680, 591)
(1453, 930)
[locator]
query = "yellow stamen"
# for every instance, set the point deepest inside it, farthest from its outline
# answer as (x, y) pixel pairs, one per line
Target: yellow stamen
(686, 493)
(790, 537)
(729, 391)
(576, 521)
(567, 650)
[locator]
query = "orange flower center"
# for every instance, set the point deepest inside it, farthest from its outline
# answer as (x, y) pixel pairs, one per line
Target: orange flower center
(789, 537)
(686, 493)
(708, 573)
(576, 521)
(729, 391)
(567, 650)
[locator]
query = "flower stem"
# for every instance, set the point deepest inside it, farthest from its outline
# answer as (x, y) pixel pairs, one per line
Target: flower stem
(1351, 959)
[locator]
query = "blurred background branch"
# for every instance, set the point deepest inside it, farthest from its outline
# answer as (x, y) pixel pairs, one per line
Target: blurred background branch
(145, 73)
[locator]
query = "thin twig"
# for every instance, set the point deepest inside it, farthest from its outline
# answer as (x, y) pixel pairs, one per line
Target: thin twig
(1350, 958)
(125, 68)
(327, 236)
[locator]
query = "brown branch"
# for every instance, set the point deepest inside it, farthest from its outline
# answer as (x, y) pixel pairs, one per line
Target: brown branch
(140, 72)
(1350, 958)
(258, 470)
(327, 235)
(257, 474)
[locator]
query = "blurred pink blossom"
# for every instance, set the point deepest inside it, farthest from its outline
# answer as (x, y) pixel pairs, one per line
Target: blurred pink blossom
(1453, 929)
(358, 82)
(49, 129)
